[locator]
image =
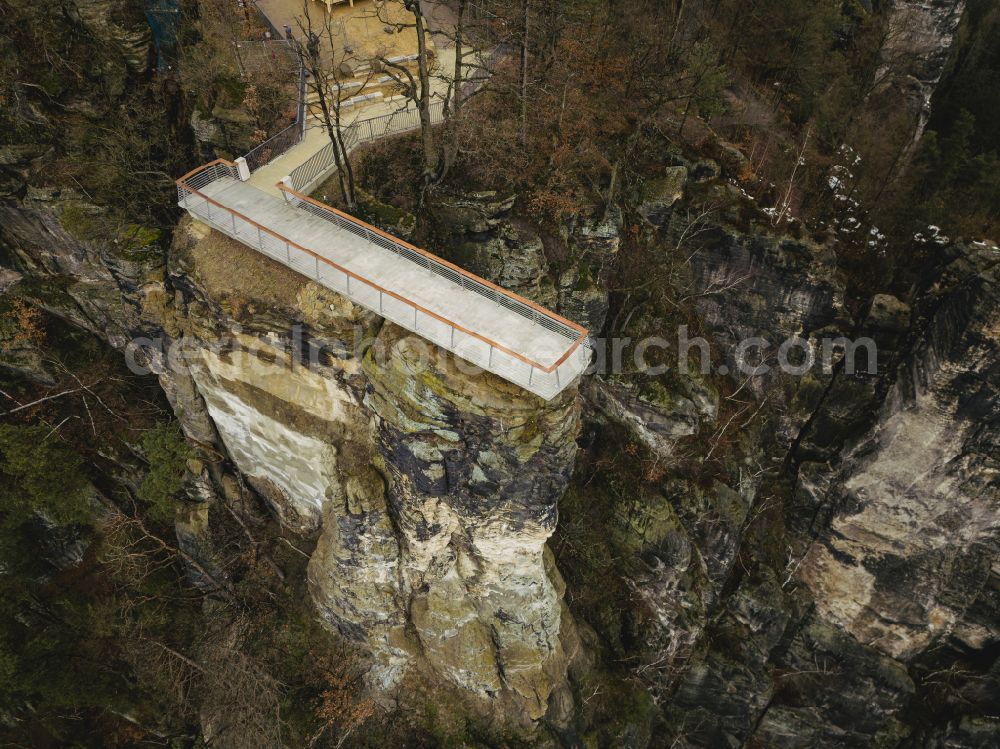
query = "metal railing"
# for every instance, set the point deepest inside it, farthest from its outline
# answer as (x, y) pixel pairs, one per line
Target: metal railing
(353, 135)
(440, 267)
(317, 165)
(543, 379)
(192, 182)
(274, 147)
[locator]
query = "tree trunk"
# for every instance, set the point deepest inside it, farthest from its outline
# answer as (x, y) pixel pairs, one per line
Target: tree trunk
(684, 117)
(343, 158)
(524, 73)
(332, 130)
(458, 75)
(352, 196)
(453, 106)
(678, 20)
(612, 190)
(424, 96)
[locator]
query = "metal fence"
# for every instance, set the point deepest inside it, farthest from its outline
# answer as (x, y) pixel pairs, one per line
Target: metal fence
(192, 182)
(495, 294)
(322, 163)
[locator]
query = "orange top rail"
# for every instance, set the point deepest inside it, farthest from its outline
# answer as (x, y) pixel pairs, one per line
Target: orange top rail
(182, 183)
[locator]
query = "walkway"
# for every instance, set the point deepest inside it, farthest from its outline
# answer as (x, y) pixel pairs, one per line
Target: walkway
(270, 211)
(267, 177)
(392, 113)
(480, 322)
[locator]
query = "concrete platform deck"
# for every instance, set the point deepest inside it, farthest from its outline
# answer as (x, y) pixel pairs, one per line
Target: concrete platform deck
(479, 322)
(483, 325)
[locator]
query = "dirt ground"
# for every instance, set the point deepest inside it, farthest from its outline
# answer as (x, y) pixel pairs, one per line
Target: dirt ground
(360, 28)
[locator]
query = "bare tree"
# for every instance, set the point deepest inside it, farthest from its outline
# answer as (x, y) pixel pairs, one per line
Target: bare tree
(786, 202)
(136, 551)
(478, 49)
(329, 64)
(524, 71)
(241, 704)
(417, 90)
(458, 77)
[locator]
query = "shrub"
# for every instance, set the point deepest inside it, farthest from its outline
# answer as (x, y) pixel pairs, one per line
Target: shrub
(167, 454)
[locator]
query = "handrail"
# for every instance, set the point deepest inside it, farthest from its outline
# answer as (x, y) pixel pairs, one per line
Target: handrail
(352, 136)
(434, 258)
(203, 167)
(182, 184)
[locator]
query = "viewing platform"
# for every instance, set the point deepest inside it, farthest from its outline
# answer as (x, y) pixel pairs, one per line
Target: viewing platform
(478, 321)
(262, 201)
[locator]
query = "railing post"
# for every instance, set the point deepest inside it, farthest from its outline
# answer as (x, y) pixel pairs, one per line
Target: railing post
(233, 215)
(453, 336)
(380, 301)
(414, 319)
(316, 258)
(348, 277)
(288, 252)
(287, 182)
(243, 169)
(489, 361)
(531, 372)
(260, 239)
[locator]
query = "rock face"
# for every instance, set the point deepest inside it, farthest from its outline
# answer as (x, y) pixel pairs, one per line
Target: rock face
(118, 22)
(916, 54)
(905, 528)
(565, 273)
(474, 467)
(899, 535)
(664, 194)
(767, 288)
(432, 489)
(826, 617)
(284, 419)
(94, 287)
(916, 520)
